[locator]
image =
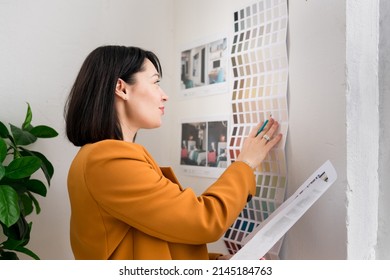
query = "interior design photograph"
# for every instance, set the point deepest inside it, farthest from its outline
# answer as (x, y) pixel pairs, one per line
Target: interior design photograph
(204, 144)
(204, 65)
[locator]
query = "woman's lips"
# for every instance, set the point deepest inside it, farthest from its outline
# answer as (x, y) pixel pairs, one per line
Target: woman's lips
(162, 109)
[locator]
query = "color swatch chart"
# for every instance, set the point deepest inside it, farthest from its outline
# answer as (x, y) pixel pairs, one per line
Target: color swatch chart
(260, 76)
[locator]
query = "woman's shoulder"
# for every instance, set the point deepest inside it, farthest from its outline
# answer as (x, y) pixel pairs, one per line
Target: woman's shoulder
(113, 148)
(115, 143)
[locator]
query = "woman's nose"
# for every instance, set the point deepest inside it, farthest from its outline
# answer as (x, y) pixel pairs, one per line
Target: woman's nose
(164, 97)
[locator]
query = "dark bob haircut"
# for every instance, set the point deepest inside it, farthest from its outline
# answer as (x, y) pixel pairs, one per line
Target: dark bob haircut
(90, 114)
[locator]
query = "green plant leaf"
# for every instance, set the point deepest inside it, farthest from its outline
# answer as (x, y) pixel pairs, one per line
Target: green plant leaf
(18, 232)
(46, 166)
(12, 144)
(36, 186)
(3, 131)
(12, 243)
(17, 189)
(27, 203)
(22, 137)
(3, 150)
(28, 252)
(22, 167)
(9, 205)
(27, 121)
(2, 171)
(19, 185)
(36, 204)
(18, 236)
(43, 131)
(7, 255)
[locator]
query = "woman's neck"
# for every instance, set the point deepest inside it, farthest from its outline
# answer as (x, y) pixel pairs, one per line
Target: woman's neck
(128, 133)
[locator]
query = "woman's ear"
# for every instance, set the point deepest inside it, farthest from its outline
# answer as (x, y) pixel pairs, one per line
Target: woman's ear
(120, 89)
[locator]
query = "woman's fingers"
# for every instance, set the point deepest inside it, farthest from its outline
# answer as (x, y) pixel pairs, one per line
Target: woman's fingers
(256, 130)
(257, 145)
(268, 134)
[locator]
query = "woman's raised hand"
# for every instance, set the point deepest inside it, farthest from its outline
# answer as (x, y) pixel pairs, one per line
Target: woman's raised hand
(255, 148)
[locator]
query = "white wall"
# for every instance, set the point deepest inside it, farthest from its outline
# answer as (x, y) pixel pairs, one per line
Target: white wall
(363, 128)
(42, 46)
(384, 155)
(317, 124)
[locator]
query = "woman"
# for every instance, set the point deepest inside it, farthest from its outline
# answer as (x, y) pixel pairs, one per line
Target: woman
(123, 206)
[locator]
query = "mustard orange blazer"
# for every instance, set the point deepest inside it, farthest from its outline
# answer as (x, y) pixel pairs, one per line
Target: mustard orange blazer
(123, 207)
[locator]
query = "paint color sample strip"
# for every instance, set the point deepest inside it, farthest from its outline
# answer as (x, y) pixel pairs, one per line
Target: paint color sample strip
(260, 75)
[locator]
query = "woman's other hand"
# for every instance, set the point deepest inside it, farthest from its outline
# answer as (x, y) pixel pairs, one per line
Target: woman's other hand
(225, 257)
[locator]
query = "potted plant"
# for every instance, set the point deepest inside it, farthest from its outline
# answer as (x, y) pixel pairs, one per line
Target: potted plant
(18, 188)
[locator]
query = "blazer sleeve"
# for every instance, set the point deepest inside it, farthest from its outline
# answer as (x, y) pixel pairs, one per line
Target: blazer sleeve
(126, 184)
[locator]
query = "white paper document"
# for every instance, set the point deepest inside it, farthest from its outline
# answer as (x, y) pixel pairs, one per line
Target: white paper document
(262, 238)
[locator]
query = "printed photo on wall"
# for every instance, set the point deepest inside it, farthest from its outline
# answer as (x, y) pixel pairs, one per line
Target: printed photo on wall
(204, 69)
(204, 147)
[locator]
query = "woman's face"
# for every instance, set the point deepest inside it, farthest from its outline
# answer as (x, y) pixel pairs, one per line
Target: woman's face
(145, 105)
